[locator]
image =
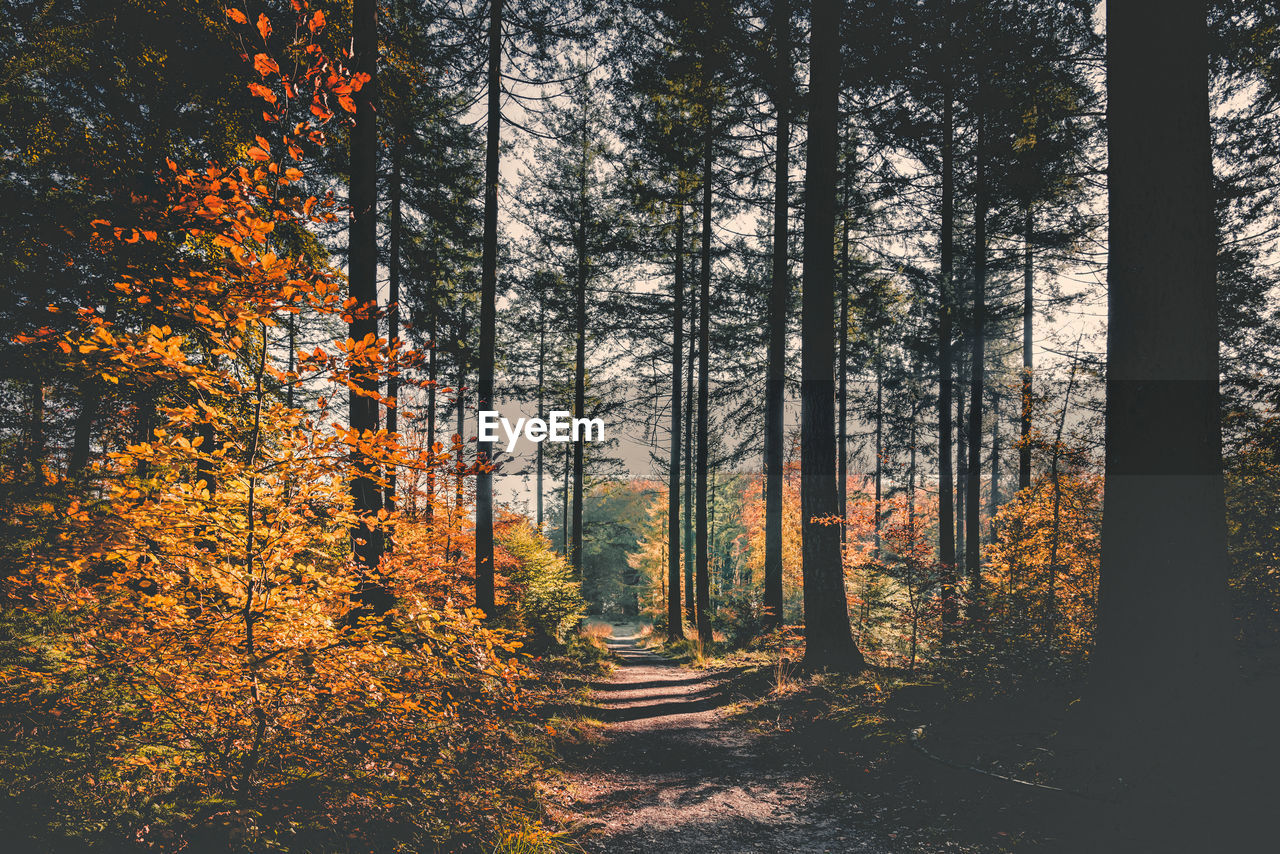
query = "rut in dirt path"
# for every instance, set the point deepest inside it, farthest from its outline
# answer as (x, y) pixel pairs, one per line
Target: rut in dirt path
(674, 775)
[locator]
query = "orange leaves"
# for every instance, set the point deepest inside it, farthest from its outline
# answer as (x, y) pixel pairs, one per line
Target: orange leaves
(263, 92)
(316, 24)
(265, 65)
(264, 26)
(258, 155)
(237, 16)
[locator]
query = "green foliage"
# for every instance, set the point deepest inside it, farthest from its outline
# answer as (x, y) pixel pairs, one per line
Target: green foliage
(549, 602)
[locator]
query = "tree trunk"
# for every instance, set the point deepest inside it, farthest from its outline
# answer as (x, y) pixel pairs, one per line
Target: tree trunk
(1028, 355)
(842, 375)
(542, 413)
(579, 364)
(779, 296)
(488, 316)
(393, 327)
(993, 494)
(828, 641)
(973, 498)
(946, 482)
(690, 606)
(675, 620)
(1163, 626)
(82, 437)
(362, 271)
(433, 332)
(564, 503)
(879, 470)
(702, 593)
(962, 464)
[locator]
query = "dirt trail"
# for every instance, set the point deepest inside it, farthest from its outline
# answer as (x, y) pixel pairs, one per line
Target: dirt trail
(674, 775)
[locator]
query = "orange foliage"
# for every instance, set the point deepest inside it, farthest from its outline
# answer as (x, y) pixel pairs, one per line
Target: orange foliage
(208, 634)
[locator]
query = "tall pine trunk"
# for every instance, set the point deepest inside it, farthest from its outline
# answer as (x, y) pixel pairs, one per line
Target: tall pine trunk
(702, 592)
(362, 270)
(488, 316)
(675, 620)
(542, 372)
(690, 607)
(779, 296)
(842, 375)
(946, 276)
(433, 332)
(579, 361)
(1028, 354)
(393, 323)
(828, 640)
(977, 344)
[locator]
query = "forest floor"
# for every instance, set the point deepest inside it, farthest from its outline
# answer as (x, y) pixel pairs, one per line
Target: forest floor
(742, 757)
(673, 771)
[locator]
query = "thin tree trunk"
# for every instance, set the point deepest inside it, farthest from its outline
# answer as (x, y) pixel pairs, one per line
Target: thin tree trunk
(1028, 354)
(973, 500)
(675, 620)
(946, 482)
(690, 606)
(828, 641)
(1051, 605)
(433, 332)
(542, 413)
(488, 316)
(779, 296)
(564, 503)
(393, 328)
(289, 391)
(579, 361)
(993, 494)
(842, 375)
(702, 594)
(962, 465)
(879, 507)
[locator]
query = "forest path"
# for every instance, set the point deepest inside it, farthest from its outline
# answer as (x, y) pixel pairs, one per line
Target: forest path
(673, 774)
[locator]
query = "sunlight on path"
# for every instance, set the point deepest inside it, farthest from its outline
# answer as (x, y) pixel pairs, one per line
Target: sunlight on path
(674, 775)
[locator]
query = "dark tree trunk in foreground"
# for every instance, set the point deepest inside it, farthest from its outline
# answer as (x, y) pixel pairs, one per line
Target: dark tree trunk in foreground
(828, 641)
(362, 264)
(779, 295)
(702, 578)
(1162, 661)
(946, 483)
(675, 620)
(488, 317)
